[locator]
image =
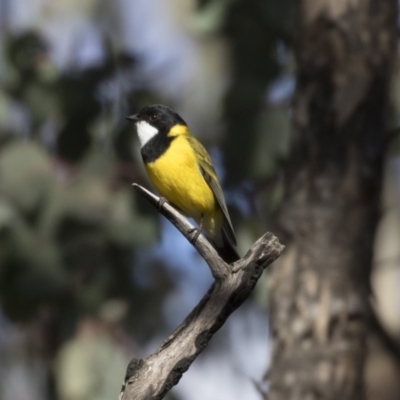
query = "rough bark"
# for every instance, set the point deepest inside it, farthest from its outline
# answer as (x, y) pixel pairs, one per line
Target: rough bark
(320, 293)
(153, 377)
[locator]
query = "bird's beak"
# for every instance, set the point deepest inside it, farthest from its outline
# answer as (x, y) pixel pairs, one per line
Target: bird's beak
(132, 118)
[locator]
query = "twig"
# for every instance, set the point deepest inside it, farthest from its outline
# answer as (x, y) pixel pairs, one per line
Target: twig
(219, 268)
(153, 377)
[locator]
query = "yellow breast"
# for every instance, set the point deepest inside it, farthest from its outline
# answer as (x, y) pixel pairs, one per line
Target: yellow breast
(177, 177)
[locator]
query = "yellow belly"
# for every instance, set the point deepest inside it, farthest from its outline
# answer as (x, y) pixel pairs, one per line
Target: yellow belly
(177, 177)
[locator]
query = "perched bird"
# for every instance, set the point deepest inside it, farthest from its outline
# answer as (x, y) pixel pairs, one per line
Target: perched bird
(182, 172)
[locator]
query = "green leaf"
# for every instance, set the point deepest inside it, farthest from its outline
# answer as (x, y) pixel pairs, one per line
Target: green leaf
(26, 175)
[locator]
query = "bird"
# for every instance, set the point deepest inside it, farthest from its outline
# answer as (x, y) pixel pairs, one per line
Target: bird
(181, 170)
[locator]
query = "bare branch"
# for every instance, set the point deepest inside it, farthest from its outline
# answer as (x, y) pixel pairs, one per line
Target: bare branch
(154, 376)
(218, 267)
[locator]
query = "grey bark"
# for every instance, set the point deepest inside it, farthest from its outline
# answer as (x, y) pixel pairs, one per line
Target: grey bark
(320, 293)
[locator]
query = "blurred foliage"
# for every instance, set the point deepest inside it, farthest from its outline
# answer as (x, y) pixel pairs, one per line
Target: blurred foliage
(70, 224)
(99, 347)
(256, 29)
(68, 218)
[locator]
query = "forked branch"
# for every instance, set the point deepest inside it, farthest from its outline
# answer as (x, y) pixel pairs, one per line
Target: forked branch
(153, 377)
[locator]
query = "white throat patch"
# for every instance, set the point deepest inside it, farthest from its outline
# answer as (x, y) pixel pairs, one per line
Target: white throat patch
(145, 132)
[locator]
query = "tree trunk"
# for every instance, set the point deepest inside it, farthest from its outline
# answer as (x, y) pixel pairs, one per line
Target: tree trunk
(320, 292)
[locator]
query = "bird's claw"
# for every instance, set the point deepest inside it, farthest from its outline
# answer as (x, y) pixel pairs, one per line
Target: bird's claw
(196, 235)
(161, 202)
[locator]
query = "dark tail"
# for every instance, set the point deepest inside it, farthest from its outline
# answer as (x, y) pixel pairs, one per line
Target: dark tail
(227, 252)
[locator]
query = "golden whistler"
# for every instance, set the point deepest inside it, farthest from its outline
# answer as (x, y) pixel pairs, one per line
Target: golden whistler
(181, 170)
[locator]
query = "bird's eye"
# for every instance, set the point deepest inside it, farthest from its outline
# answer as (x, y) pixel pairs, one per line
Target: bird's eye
(153, 117)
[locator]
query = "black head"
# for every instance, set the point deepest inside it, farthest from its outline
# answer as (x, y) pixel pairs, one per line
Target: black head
(154, 126)
(159, 116)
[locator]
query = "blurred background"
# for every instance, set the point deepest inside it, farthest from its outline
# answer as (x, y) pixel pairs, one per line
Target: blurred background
(91, 275)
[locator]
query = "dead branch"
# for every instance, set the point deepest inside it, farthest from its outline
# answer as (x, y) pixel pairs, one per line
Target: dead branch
(153, 377)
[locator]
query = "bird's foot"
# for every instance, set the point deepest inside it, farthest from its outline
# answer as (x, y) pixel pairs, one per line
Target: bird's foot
(196, 235)
(161, 202)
